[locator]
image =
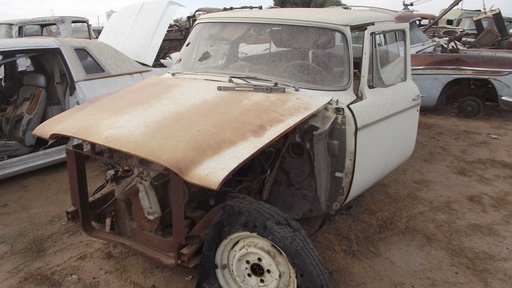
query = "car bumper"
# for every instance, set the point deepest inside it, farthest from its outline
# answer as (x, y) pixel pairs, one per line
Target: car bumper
(506, 101)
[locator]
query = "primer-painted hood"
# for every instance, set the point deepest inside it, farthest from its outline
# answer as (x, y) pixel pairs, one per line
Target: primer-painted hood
(187, 125)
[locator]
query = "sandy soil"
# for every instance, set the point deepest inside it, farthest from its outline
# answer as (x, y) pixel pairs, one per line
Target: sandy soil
(442, 219)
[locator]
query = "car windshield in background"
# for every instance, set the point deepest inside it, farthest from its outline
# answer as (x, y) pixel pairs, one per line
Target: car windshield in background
(78, 30)
(417, 36)
(308, 57)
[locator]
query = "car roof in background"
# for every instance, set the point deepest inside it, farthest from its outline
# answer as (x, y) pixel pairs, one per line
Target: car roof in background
(112, 61)
(43, 20)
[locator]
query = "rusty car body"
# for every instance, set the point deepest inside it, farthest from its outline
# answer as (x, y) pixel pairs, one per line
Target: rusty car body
(268, 118)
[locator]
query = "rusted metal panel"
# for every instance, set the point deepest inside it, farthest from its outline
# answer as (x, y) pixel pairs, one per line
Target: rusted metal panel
(176, 190)
(77, 176)
(407, 17)
(480, 63)
(487, 39)
(161, 250)
(203, 136)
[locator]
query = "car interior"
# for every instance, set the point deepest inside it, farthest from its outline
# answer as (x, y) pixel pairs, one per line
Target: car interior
(32, 89)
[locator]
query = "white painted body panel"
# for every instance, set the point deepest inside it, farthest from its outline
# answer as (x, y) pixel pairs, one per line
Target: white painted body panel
(384, 141)
(32, 161)
(431, 83)
(387, 124)
(430, 86)
(90, 89)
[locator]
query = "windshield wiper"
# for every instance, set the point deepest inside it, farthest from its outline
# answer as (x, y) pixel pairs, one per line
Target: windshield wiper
(275, 85)
(252, 87)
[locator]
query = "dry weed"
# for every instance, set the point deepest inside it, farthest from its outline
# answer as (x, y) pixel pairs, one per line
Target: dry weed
(480, 229)
(499, 125)
(494, 163)
(55, 278)
(381, 213)
(34, 244)
(501, 201)
(461, 168)
(425, 125)
(479, 201)
(507, 218)
(39, 279)
(429, 155)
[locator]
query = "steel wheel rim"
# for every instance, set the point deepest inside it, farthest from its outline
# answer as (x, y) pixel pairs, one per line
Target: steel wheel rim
(247, 260)
(470, 107)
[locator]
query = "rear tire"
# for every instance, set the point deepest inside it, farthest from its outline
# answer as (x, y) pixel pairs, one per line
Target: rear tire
(469, 107)
(253, 244)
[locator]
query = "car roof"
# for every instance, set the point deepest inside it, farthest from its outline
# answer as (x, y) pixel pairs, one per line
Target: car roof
(43, 20)
(331, 15)
(112, 61)
(29, 43)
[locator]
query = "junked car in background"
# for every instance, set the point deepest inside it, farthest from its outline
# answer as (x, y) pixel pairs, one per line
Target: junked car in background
(41, 77)
(52, 26)
(469, 79)
(269, 118)
(476, 29)
(448, 73)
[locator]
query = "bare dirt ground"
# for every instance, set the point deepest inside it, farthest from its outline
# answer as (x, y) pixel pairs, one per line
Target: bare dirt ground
(442, 219)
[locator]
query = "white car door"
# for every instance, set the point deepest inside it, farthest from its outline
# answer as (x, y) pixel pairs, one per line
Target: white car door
(387, 111)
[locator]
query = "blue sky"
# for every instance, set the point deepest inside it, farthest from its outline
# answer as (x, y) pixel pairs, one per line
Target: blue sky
(96, 10)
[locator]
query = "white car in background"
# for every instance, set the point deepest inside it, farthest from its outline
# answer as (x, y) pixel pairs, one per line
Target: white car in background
(41, 77)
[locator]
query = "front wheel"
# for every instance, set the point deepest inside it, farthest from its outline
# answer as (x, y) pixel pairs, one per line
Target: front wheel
(248, 260)
(253, 244)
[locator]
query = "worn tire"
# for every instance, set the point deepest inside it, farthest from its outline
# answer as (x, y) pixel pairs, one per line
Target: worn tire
(258, 220)
(469, 107)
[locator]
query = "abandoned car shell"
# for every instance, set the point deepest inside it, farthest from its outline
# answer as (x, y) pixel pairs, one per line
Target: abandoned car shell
(449, 74)
(73, 72)
(268, 117)
(53, 26)
(451, 77)
(69, 72)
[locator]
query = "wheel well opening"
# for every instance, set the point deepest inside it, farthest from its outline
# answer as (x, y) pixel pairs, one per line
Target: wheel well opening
(456, 89)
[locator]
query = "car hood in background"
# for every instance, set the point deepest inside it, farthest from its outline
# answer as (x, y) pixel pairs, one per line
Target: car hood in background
(202, 136)
(138, 30)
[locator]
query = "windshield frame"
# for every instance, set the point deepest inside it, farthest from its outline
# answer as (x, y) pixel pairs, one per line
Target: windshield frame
(265, 50)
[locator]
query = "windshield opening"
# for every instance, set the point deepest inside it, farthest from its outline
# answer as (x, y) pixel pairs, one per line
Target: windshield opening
(309, 57)
(417, 36)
